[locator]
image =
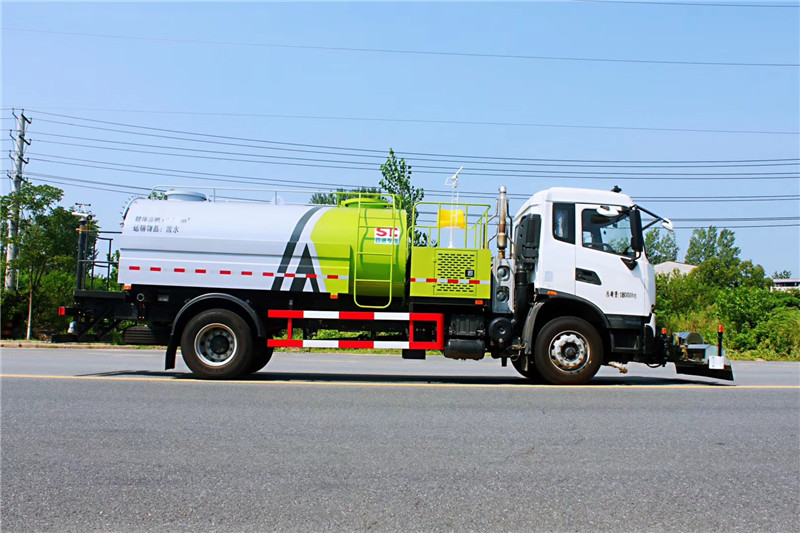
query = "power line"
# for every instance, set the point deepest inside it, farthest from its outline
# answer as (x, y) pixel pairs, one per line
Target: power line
(177, 173)
(702, 4)
(75, 182)
(316, 160)
(68, 181)
(457, 122)
(442, 193)
(745, 226)
(509, 173)
(238, 178)
(380, 157)
(375, 151)
(734, 219)
(408, 52)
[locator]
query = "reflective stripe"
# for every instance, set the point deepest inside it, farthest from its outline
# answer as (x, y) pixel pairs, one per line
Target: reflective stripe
(452, 281)
(346, 344)
(292, 275)
(346, 315)
(321, 314)
(320, 344)
(392, 316)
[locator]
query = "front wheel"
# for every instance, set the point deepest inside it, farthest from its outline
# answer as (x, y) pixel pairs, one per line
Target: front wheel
(526, 367)
(568, 351)
(217, 344)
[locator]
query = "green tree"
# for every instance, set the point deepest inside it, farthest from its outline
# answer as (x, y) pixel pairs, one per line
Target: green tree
(708, 243)
(332, 198)
(781, 274)
(660, 249)
(716, 273)
(397, 180)
(46, 240)
(28, 200)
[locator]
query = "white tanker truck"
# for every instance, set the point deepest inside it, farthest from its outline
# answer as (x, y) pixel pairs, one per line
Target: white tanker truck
(569, 288)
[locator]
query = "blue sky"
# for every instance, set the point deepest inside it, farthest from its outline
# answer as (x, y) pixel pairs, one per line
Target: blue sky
(272, 72)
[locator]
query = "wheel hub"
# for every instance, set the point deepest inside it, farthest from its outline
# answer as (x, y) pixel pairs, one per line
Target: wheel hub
(219, 344)
(569, 351)
(215, 344)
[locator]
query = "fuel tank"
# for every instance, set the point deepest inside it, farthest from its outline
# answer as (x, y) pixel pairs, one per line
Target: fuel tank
(360, 244)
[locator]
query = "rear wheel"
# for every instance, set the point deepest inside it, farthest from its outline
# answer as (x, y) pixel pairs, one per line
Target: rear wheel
(261, 356)
(568, 351)
(217, 344)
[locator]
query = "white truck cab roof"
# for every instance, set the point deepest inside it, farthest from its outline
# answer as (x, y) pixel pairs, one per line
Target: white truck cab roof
(573, 195)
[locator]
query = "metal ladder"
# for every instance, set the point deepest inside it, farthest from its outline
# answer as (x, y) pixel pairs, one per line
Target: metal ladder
(361, 237)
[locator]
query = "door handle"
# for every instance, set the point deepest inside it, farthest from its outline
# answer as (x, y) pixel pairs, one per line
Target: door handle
(587, 276)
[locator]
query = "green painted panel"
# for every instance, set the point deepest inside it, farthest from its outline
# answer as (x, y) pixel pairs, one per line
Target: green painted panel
(451, 264)
(369, 243)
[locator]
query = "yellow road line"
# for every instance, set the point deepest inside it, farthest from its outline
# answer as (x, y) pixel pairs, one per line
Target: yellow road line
(322, 381)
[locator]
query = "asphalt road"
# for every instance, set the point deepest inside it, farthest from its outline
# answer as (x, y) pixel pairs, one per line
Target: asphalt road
(106, 440)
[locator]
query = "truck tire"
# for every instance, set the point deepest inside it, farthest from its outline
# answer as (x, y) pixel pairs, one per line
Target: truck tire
(217, 344)
(531, 372)
(261, 356)
(568, 351)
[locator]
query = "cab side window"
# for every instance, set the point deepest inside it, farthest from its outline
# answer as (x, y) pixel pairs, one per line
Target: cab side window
(611, 234)
(564, 222)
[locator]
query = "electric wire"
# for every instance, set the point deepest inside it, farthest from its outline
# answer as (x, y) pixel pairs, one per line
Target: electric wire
(84, 186)
(239, 178)
(701, 4)
(316, 160)
(383, 152)
(509, 173)
(304, 190)
(458, 122)
(381, 157)
(408, 52)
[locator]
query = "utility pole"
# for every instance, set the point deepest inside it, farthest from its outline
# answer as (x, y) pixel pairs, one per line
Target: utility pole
(13, 222)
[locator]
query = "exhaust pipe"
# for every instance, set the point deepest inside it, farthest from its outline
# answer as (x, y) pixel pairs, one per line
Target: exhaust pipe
(502, 215)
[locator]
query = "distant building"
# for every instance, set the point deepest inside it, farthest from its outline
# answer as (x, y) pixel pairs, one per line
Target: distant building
(668, 267)
(786, 284)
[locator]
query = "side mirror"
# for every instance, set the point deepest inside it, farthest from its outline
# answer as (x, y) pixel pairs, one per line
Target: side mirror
(667, 224)
(637, 242)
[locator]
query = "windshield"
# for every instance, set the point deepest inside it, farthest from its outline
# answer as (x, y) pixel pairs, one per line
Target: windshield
(610, 234)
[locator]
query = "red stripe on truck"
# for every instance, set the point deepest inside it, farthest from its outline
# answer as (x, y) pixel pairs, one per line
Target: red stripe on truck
(284, 313)
(285, 343)
(356, 315)
(357, 344)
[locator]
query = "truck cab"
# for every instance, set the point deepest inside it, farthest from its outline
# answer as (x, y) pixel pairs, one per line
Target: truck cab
(586, 250)
(585, 290)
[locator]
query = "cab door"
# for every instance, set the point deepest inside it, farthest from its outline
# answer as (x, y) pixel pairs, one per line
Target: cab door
(606, 270)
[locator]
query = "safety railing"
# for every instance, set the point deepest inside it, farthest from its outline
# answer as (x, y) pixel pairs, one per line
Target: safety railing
(451, 225)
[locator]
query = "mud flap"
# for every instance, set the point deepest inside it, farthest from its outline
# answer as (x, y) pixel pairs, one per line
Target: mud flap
(703, 360)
